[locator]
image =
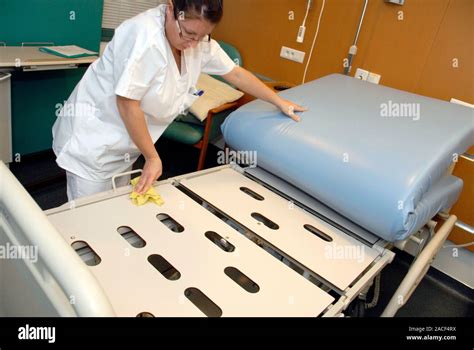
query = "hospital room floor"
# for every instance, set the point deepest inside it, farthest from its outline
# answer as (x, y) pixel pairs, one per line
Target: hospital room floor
(437, 296)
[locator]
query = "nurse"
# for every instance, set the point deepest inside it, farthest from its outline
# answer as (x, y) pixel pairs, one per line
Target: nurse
(145, 78)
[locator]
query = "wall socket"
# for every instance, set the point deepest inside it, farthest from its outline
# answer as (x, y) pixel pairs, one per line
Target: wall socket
(292, 54)
(363, 74)
(373, 78)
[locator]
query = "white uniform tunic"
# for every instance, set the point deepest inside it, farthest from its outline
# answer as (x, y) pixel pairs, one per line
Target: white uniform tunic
(90, 138)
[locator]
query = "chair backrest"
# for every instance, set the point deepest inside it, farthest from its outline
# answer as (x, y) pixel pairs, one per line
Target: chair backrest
(234, 55)
(232, 52)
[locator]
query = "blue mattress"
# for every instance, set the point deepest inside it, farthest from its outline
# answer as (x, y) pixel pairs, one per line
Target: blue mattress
(377, 155)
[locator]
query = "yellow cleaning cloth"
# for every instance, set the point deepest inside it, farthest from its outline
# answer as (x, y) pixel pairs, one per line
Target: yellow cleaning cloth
(149, 197)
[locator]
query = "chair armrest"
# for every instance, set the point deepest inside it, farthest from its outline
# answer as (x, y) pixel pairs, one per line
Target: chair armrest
(224, 107)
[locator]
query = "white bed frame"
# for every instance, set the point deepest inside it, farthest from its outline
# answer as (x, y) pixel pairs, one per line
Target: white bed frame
(287, 271)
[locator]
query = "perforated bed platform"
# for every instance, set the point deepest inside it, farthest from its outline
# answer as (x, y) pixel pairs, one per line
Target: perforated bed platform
(200, 267)
(313, 243)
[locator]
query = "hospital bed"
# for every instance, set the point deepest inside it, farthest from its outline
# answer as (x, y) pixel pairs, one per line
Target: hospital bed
(305, 233)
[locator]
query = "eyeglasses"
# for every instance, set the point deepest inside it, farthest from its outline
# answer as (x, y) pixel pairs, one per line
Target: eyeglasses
(204, 39)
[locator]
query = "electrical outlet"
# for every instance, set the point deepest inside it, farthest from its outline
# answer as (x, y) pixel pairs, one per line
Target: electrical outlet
(361, 74)
(373, 78)
(292, 54)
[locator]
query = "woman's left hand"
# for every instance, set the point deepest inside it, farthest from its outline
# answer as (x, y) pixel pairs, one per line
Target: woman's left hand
(289, 108)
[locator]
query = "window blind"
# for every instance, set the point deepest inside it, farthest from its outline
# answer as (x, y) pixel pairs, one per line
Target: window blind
(117, 11)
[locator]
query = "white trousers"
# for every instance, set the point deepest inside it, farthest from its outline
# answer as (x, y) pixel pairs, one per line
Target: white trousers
(78, 187)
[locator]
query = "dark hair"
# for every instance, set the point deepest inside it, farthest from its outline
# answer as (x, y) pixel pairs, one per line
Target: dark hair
(210, 10)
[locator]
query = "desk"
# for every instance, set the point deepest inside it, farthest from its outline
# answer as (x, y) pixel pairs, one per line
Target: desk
(28, 58)
(41, 93)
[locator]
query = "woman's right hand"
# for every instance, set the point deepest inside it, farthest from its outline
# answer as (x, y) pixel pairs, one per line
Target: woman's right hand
(151, 172)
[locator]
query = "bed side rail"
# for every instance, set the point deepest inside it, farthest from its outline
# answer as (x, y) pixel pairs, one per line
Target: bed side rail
(57, 270)
(419, 268)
